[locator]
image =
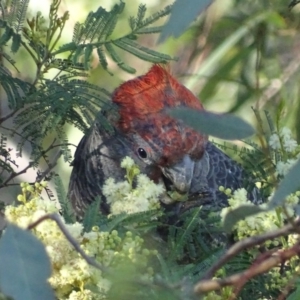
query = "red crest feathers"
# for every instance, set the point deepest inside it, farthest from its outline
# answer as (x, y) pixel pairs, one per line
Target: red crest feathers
(151, 93)
(142, 102)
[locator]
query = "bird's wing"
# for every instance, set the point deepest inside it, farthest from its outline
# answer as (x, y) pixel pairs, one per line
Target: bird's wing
(216, 169)
(97, 158)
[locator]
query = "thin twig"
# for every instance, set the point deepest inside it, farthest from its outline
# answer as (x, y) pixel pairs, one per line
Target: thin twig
(50, 166)
(14, 175)
(250, 242)
(238, 280)
(8, 115)
(57, 219)
(18, 184)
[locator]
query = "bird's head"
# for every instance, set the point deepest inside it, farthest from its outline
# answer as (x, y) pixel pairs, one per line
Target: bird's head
(158, 139)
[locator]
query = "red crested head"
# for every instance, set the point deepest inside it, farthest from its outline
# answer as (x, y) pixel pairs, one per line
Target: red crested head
(151, 93)
(142, 103)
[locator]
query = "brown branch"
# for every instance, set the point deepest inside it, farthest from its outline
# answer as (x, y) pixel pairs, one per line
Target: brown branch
(250, 242)
(8, 115)
(17, 184)
(51, 165)
(238, 280)
(57, 219)
(14, 175)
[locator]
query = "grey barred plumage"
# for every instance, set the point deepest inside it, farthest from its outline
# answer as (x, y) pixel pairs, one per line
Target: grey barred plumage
(217, 169)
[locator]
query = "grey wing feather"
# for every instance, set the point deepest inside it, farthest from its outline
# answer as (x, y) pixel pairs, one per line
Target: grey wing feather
(216, 169)
(97, 158)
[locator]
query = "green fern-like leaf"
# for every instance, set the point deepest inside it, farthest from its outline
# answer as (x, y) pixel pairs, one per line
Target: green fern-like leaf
(141, 52)
(181, 236)
(132, 23)
(150, 30)
(102, 58)
(202, 266)
(66, 209)
(87, 54)
(21, 15)
(14, 13)
(16, 43)
(94, 33)
(6, 161)
(14, 88)
(6, 36)
(65, 48)
(58, 102)
(140, 15)
(92, 216)
(98, 25)
(9, 59)
(156, 16)
(117, 59)
(66, 152)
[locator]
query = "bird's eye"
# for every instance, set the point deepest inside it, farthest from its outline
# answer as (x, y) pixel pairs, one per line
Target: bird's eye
(142, 153)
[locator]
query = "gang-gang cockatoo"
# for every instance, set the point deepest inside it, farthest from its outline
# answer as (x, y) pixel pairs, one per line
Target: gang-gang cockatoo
(164, 148)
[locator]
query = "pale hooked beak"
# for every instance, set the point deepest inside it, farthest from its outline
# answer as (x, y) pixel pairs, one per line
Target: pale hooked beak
(181, 174)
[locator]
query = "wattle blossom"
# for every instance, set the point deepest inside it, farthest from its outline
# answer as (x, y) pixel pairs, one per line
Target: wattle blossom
(124, 198)
(72, 277)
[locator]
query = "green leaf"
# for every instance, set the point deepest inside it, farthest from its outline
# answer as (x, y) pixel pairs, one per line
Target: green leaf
(102, 58)
(91, 215)
(238, 214)
(116, 58)
(183, 12)
(141, 52)
(25, 266)
(20, 16)
(156, 16)
(182, 236)
(87, 55)
(66, 207)
(223, 126)
(16, 42)
(6, 36)
(78, 53)
(288, 185)
(66, 47)
(149, 30)
(295, 295)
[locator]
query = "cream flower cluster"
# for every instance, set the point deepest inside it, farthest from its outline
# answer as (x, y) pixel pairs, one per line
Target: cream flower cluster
(268, 220)
(123, 197)
(262, 222)
(72, 278)
(283, 140)
(284, 143)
